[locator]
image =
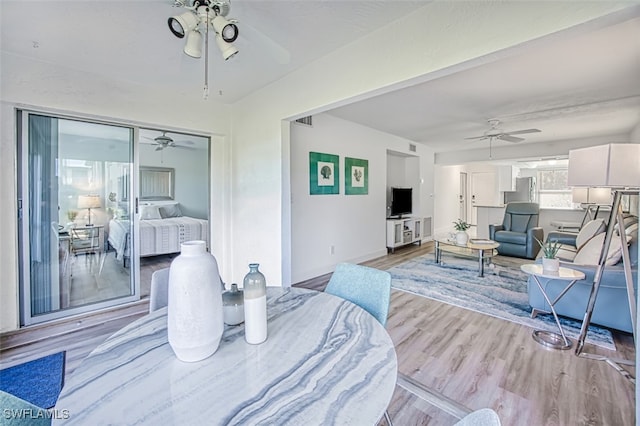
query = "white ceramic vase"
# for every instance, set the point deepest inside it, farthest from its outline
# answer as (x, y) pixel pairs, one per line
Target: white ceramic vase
(462, 238)
(550, 265)
(195, 320)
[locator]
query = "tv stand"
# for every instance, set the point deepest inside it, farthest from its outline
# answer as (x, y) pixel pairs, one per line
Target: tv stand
(403, 231)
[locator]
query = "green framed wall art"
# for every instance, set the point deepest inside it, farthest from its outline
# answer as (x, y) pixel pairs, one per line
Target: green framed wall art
(324, 173)
(356, 176)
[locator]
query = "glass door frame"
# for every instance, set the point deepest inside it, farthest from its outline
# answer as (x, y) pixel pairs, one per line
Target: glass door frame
(24, 238)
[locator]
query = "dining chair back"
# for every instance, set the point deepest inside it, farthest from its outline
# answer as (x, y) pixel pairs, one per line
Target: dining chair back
(159, 293)
(367, 287)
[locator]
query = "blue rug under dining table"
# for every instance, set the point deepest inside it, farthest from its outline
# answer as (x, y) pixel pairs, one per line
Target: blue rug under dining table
(38, 382)
(502, 293)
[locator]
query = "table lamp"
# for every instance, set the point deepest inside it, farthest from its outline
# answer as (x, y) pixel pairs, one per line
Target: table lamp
(617, 168)
(89, 202)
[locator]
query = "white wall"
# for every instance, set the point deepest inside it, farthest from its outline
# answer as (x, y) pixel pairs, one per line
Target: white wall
(191, 171)
(354, 225)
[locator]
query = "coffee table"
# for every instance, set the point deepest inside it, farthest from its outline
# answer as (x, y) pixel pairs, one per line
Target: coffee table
(483, 250)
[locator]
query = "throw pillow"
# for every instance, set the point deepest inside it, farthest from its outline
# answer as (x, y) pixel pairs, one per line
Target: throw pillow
(149, 212)
(170, 210)
(588, 231)
(589, 254)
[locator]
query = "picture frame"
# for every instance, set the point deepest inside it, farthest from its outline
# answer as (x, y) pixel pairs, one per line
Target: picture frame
(356, 176)
(324, 173)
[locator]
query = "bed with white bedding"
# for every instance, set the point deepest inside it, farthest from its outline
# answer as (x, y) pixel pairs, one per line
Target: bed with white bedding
(160, 233)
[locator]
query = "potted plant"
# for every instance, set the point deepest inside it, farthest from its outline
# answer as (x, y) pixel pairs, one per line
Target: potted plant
(550, 263)
(462, 238)
(71, 214)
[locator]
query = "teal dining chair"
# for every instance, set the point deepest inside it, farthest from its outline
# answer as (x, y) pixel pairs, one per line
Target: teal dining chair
(367, 287)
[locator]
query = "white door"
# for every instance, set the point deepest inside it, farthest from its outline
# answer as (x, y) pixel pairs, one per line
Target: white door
(484, 192)
(464, 208)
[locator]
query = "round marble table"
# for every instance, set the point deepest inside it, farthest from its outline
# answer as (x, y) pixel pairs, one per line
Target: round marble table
(325, 361)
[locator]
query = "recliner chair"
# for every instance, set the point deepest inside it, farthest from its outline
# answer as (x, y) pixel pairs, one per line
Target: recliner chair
(518, 231)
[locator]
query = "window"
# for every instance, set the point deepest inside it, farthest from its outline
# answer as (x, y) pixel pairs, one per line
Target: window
(553, 191)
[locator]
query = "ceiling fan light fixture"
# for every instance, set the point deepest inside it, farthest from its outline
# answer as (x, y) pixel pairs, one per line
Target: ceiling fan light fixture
(226, 29)
(228, 50)
(183, 24)
(193, 46)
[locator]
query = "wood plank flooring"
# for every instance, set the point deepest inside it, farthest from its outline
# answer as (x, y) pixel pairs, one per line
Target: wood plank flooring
(473, 359)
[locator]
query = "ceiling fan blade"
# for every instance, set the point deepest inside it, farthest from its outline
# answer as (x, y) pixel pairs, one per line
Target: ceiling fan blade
(477, 137)
(509, 138)
(522, 132)
(160, 148)
(184, 147)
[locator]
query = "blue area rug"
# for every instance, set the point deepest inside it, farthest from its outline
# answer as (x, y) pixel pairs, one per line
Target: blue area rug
(502, 293)
(38, 382)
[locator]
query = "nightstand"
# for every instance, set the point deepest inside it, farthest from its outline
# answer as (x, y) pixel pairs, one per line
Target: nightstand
(87, 239)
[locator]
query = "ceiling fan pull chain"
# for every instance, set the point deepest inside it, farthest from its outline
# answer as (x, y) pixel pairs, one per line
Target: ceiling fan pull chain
(206, 60)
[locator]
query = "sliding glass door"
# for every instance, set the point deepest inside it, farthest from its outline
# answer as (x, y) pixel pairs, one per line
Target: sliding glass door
(74, 181)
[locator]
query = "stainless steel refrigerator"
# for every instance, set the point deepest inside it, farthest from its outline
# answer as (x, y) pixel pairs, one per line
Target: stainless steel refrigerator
(525, 191)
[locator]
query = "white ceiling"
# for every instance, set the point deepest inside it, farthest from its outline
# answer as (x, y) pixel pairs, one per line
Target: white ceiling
(573, 87)
(578, 86)
(130, 40)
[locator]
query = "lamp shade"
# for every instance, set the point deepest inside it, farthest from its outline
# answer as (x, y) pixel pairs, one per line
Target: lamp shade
(227, 30)
(227, 49)
(182, 24)
(583, 195)
(193, 47)
(612, 166)
(88, 201)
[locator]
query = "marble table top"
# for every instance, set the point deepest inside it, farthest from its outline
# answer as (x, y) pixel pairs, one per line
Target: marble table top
(325, 361)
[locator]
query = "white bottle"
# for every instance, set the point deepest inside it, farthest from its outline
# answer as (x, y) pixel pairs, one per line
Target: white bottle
(255, 306)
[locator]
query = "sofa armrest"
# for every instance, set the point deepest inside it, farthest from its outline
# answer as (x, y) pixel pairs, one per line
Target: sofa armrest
(563, 237)
(493, 229)
(612, 276)
(532, 245)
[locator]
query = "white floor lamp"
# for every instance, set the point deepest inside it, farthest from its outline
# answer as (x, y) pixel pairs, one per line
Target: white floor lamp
(615, 166)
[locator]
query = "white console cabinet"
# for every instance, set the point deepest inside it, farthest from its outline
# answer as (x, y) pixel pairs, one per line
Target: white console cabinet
(401, 232)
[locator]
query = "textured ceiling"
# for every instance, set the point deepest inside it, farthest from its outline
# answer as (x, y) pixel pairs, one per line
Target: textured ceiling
(130, 40)
(574, 86)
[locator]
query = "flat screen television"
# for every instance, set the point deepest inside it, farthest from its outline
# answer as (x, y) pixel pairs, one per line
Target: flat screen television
(401, 201)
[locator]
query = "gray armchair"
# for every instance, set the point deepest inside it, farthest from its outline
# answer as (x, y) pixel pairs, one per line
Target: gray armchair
(518, 231)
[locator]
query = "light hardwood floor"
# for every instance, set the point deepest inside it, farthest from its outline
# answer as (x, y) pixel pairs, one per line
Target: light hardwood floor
(473, 359)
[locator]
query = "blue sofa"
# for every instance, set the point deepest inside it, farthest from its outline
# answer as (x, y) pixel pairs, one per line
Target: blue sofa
(612, 306)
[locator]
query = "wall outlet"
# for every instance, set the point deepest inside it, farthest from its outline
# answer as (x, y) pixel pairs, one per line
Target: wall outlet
(332, 249)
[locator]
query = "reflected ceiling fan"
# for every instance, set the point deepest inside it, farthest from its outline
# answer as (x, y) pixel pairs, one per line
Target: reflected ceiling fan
(163, 141)
(495, 132)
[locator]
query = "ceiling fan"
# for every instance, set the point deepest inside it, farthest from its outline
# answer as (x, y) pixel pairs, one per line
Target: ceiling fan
(163, 141)
(496, 133)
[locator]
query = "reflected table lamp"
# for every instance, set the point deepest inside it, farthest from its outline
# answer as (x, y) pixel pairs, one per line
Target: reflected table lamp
(89, 202)
(616, 167)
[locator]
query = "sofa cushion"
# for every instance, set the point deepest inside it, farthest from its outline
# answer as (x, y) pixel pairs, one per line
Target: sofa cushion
(589, 254)
(588, 231)
(511, 237)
